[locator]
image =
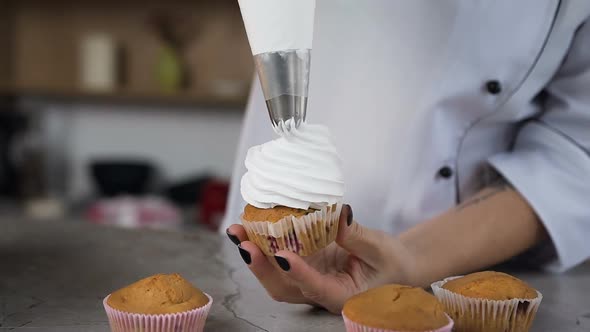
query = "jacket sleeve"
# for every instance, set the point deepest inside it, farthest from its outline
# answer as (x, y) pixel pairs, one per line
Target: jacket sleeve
(550, 161)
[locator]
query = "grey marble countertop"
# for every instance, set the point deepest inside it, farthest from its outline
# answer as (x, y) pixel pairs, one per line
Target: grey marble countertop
(53, 277)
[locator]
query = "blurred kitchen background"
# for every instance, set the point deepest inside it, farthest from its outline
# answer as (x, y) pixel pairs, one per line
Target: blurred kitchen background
(120, 112)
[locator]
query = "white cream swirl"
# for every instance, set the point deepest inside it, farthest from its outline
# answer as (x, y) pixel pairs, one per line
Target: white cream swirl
(301, 169)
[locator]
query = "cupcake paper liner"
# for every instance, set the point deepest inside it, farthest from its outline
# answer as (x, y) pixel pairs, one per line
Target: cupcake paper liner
(302, 235)
(472, 314)
(356, 327)
(188, 321)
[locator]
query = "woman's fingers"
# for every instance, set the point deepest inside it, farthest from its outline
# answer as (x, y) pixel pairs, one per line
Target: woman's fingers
(265, 268)
(269, 276)
(236, 233)
(360, 241)
(327, 290)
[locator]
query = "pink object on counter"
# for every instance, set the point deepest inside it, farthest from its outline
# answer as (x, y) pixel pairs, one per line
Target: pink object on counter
(188, 321)
(135, 212)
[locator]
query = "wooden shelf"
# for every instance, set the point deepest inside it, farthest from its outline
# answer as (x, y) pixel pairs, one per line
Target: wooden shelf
(127, 97)
(40, 43)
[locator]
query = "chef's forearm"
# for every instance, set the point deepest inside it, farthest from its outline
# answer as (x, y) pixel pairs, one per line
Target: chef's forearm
(493, 226)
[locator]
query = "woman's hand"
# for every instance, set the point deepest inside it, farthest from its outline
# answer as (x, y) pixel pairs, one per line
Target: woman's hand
(494, 225)
(360, 259)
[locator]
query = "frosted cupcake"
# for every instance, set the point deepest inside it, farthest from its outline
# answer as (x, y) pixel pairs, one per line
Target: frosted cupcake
(392, 308)
(160, 303)
(293, 187)
(489, 302)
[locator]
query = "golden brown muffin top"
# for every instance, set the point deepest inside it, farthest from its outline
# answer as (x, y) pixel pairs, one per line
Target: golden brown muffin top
(396, 307)
(158, 294)
(252, 213)
(492, 286)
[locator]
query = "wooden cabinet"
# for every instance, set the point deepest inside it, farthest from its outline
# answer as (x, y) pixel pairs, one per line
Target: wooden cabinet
(40, 48)
(6, 47)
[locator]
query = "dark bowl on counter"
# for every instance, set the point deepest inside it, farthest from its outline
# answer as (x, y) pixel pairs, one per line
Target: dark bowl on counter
(122, 177)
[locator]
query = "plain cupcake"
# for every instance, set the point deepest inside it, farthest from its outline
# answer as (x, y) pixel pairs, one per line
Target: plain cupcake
(293, 189)
(489, 301)
(160, 303)
(393, 308)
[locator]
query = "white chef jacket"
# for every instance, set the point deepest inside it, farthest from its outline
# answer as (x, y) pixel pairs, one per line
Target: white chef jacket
(426, 98)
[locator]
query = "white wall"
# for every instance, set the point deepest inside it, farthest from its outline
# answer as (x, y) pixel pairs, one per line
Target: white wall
(181, 142)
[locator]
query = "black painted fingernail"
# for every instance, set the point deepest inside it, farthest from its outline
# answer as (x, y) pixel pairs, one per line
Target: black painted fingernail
(349, 217)
(245, 255)
(283, 263)
(232, 237)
